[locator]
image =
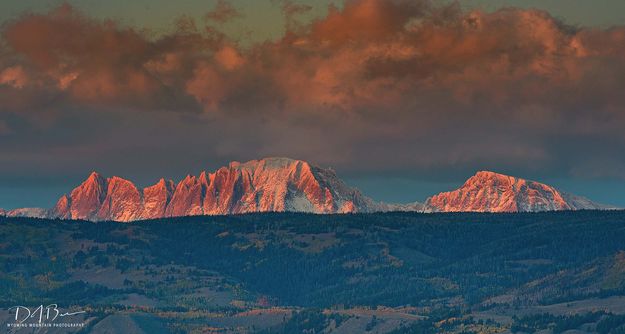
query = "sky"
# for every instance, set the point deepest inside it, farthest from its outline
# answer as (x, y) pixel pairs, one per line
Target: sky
(402, 98)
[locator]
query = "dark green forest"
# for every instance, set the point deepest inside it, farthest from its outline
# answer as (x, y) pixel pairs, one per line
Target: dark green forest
(460, 263)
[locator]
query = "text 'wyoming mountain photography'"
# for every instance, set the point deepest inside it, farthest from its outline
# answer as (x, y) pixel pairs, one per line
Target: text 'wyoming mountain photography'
(318, 167)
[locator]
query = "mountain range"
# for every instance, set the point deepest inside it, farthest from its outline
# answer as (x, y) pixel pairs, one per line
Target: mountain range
(282, 184)
(272, 184)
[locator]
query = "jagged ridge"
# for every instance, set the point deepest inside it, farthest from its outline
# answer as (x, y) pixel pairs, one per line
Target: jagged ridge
(272, 184)
(282, 184)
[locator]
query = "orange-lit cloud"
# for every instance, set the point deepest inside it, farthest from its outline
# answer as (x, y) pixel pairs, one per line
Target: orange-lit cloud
(369, 53)
(416, 84)
(14, 77)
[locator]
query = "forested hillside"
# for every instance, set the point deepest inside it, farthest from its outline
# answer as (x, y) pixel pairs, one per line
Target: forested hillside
(337, 273)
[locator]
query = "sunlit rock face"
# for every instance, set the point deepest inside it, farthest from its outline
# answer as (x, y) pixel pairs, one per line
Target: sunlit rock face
(156, 198)
(122, 202)
(493, 192)
(272, 184)
(86, 199)
(282, 184)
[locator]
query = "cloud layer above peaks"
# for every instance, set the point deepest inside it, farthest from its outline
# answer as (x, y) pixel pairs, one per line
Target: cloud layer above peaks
(373, 86)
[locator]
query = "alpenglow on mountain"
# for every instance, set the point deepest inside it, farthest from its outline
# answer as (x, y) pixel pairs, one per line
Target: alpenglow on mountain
(272, 184)
(282, 184)
(493, 192)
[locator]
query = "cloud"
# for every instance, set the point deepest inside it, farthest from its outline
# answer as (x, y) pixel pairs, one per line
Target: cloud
(14, 77)
(223, 12)
(88, 61)
(291, 11)
(373, 86)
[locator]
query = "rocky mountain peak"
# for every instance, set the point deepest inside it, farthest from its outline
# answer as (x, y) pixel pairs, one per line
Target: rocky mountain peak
(488, 191)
